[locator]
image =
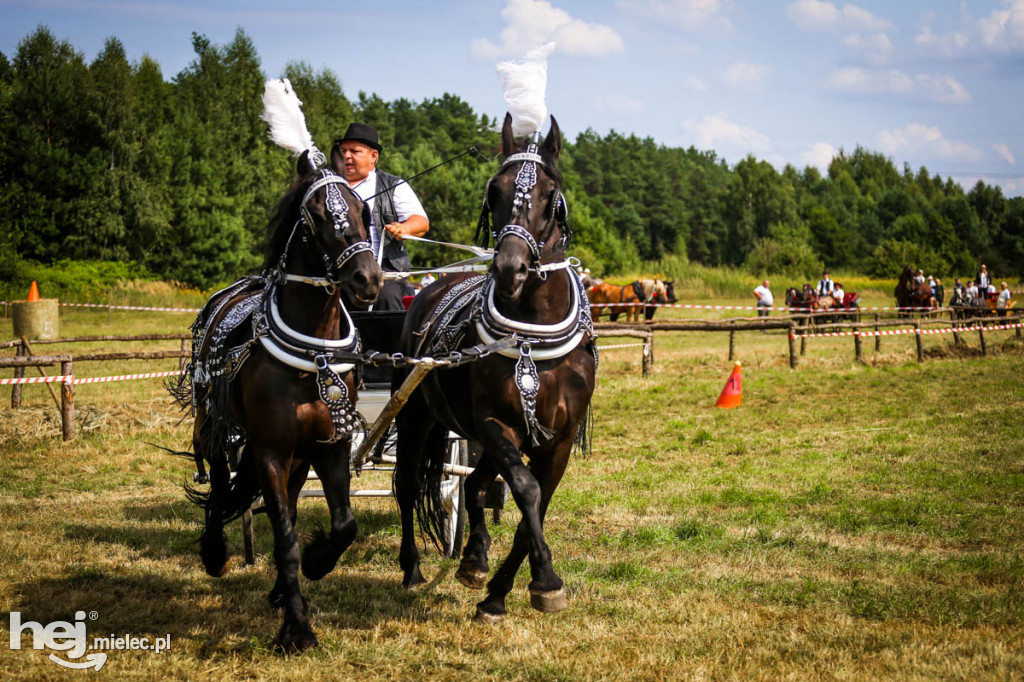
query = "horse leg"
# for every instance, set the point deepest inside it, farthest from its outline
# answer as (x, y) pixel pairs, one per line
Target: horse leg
(546, 588)
(322, 553)
(414, 425)
(295, 634)
(213, 543)
(474, 566)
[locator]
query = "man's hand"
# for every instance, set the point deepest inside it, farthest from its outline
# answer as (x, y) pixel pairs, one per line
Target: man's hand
(395, 230)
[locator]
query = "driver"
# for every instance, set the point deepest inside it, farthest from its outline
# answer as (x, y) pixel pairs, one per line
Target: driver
(393, 204)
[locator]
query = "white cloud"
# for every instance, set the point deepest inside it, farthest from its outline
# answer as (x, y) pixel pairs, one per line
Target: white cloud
(942, 89)
(947, 45)
(695, 84)
(746, 76)
(687, 15)
(927, 141)
(620, 104)
(1005, 152)
(1002, 31)
(858, 18)
(532, 23)
(815, 15)
(876, 48)
(723, 136)
(819, 155)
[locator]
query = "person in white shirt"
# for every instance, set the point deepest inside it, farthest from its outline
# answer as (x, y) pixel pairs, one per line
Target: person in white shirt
(972, 293)
(765, 300)
(838, 295)
(825, 285)
(427, 280)
(984, 279)
(1004, 300)
(395, 210)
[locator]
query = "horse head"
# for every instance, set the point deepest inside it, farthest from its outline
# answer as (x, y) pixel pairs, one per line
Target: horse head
(526, 200)
(335, 226)
(670, 291)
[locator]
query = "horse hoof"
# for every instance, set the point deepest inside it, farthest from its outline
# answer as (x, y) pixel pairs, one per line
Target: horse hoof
(549, 601)
(472, 578)
(295, 638)
(485, 618)
(414, 580)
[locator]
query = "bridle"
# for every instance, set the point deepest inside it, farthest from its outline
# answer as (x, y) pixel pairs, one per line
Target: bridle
(336, 209)
(522, 202)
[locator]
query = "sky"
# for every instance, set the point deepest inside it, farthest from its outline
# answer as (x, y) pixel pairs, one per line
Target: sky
(933, 83)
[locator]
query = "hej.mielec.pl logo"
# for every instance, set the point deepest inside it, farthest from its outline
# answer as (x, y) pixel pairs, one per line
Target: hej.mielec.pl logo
(71, 637)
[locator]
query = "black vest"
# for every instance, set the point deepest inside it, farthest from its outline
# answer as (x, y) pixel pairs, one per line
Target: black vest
(395, 257)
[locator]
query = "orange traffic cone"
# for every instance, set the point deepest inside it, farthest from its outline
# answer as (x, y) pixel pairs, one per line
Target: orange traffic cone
(732, 394)
(33, 292)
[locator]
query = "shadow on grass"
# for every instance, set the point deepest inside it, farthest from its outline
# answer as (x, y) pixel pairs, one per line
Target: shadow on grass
(363, 590)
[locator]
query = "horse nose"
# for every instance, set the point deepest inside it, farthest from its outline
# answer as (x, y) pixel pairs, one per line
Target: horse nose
(367, 280)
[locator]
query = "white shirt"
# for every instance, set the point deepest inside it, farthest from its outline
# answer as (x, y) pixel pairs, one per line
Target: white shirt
(406, 204)
(764, 295)
(1004, 298)
(838, 294)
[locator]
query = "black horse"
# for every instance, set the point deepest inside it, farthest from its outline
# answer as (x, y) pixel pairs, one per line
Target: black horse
(531, 400)
(272, 386)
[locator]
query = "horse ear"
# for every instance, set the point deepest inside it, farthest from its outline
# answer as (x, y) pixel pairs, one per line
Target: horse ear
(305, 166)
(553, 142)
(508, 142)
(337, 162)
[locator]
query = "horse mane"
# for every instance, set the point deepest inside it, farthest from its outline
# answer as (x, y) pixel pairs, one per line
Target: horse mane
(282, 221)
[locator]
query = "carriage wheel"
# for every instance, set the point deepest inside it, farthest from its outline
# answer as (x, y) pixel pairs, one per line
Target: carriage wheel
(453, 526)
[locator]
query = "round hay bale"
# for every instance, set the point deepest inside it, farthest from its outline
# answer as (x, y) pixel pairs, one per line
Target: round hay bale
(36, 319)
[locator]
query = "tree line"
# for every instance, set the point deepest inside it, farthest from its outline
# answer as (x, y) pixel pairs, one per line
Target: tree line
(108, 161)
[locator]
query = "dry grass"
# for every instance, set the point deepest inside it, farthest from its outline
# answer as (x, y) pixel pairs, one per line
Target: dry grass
(847, 522)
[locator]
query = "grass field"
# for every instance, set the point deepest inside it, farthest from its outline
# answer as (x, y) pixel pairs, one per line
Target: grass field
(849, 521)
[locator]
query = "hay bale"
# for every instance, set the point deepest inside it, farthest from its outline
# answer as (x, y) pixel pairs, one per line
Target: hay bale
(36, 319)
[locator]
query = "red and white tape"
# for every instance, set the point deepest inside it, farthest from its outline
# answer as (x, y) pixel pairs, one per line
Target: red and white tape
(121, 307)
(694, 306)
(621, 345)
(70, 379)
(896, 332)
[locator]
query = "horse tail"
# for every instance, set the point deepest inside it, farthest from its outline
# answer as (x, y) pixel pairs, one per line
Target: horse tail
(229, 496)
(429, 503)
(221, 441)
(583, 442)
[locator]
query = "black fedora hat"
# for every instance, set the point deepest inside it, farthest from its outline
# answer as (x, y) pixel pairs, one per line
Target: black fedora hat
(360, 132)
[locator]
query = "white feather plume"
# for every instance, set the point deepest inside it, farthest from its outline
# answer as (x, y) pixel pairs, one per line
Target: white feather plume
(524, 82)
(282, 109)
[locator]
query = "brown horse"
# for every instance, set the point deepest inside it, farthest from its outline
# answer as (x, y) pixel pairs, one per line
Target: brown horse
(527, 405)
(629, 299)
(272, 387)
(912, 294)
(657, 292)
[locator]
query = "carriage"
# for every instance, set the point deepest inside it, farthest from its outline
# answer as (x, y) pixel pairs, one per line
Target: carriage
(277, 359)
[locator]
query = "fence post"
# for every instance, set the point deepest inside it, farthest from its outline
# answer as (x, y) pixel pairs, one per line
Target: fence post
(19, 373)
(920, 343)
(645, 363)
(878, 337)
(792, 346)
(183, 360)
(732, 344)
(981, 335)
(857, 350)
(67, 399)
